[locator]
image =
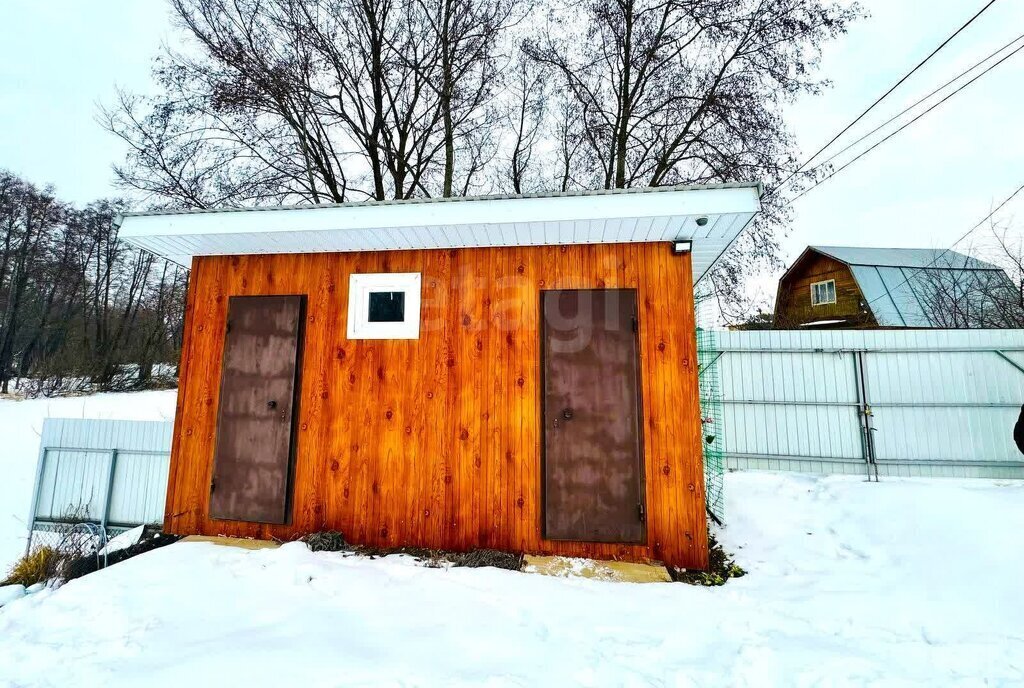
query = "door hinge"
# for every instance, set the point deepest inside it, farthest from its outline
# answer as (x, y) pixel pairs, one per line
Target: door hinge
(636, 325)
(640, 512)
(213, 485)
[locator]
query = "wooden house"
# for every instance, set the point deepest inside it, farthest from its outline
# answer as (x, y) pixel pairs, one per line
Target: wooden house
(839, 287)
(515, 373)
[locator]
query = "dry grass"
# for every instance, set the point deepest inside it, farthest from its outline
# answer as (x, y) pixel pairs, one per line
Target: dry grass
(333, 541)
(721, 568)
(35, 567)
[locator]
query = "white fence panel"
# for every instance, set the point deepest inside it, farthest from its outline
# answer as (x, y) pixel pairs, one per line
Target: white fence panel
(111, 472)
(938, 402)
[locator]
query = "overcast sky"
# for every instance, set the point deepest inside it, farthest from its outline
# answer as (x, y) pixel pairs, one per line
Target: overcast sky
(60, 58)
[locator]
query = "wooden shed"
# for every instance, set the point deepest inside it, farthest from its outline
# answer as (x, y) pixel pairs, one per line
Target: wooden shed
(515, 373)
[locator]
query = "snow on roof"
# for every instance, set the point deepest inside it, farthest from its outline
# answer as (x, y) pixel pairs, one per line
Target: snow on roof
(590, 217)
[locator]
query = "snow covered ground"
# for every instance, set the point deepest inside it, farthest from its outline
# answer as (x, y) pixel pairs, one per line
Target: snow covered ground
(21, 423)
(906, 582)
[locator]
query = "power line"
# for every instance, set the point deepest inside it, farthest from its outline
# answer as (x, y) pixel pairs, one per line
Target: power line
(882, 97)
(963, 236)
(907, 124)
(918, 102)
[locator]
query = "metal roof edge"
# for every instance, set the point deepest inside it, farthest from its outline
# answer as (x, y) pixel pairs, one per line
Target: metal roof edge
(759, 186)
(721, 253)
(824, 250)
(794, 264)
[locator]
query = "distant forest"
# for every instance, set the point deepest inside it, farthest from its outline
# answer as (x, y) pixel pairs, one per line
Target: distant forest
(79, 310)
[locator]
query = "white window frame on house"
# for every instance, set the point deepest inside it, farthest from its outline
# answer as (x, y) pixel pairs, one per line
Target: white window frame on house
(829, 289)
(360, 286)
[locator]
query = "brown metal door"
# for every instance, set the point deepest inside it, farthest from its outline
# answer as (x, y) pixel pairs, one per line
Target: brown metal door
(252, 463)
(593, 462)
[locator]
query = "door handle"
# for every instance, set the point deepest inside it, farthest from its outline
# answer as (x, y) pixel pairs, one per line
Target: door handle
(271, 404)
(567, 414)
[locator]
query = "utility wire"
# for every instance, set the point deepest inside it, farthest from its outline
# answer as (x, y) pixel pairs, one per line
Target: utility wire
(963, 236)
(907, 124)
(918, 102)
(881, 98)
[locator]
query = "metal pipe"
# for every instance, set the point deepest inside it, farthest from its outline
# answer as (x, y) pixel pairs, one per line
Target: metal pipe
(880, 461)
(882, 404)
(816, 350)
(37, 489)
(104, 450)
(1002, 355)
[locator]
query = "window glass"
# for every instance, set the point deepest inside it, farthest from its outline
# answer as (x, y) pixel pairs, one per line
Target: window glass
(823, 292)
(386, 306)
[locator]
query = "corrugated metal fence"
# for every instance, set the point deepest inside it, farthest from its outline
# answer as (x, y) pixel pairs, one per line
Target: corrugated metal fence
(936, 403)
(110, 473)
(910, 403)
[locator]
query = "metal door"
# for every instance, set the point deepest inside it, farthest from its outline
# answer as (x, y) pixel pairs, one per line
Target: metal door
(252, 461)
(593, 460)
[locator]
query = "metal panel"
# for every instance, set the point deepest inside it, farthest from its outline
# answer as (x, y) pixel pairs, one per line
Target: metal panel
(112, 473)
(904, 257)
(877, 295)
(610, 216)
(252, 460)
(940, 402)
(593, 463)
(897, 285)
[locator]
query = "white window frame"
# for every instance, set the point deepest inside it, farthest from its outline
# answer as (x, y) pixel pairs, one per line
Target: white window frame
(829, 287)
(359, 288)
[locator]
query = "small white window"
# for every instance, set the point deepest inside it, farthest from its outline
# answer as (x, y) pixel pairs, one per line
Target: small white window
(384, 305)
(823, 292)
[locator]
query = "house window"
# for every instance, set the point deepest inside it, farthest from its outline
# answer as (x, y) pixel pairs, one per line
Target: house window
(384, 305)
(823, 292)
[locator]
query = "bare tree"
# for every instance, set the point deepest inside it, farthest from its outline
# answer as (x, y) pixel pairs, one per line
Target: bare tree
(683, 91)
(1008, 252)
(317, 101)
(524, 116)
(688, 91)
(78, 309)
(959, 293)
(465, 36)
(27, 214)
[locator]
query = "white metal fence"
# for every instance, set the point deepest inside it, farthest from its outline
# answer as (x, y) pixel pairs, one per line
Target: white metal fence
(911, 403)
(939, 403)
(110, 473)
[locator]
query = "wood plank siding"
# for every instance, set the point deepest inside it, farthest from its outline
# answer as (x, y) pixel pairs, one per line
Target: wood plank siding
(436, 442)
(793, 303)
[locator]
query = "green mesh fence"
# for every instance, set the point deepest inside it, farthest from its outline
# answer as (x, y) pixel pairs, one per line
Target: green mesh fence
(710, 407)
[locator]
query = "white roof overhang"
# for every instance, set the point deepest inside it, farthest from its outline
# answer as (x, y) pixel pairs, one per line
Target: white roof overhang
(595, 217)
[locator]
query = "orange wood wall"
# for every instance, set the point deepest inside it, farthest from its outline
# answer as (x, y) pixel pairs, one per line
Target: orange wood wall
(436, 441)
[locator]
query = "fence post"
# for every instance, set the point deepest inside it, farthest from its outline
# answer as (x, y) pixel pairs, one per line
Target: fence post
(106, 496)
(37, 488)
(864, 414)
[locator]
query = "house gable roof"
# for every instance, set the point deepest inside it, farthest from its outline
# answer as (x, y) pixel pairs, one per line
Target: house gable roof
(918, 258)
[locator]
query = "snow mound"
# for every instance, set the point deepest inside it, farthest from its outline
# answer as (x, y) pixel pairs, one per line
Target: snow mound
(9, 593)
(908, 582)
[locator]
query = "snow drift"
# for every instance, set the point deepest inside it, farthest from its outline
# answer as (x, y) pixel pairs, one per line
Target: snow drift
(911, 582)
